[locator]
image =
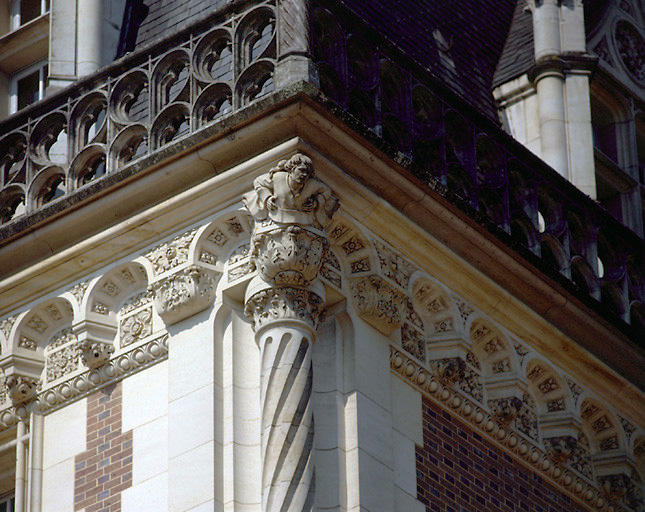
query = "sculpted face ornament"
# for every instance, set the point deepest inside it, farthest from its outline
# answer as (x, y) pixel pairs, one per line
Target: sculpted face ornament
(290, 194)
(291, 209)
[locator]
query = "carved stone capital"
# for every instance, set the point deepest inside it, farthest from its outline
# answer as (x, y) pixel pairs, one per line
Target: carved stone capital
(184, 293)
(378, 303)
(266, 305)
(95, 355)
(289, 255)
(20, 388)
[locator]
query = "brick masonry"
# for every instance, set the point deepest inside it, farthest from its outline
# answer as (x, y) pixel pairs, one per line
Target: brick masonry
(105, 469)
(460, 471)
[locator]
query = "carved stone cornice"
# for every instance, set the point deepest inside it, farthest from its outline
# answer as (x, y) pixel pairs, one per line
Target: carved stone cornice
(96, 355)
(184, 293)
(119, 367)
(510, 439)
(378, 303)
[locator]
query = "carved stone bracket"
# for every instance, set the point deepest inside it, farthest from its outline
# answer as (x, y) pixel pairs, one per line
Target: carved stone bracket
(505, 410)
(96, 355)
(22, 370)
(378, 303)
(184, 293)
(449, 371)
(21, 389)
(561, 448)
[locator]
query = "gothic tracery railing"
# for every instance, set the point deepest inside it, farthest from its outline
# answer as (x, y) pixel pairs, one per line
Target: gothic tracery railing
(503, 184)
(178, 86)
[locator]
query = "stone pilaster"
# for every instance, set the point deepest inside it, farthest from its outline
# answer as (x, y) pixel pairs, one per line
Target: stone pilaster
(285, 301)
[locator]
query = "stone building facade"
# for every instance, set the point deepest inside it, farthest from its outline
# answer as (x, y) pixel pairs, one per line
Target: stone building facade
(318, 255)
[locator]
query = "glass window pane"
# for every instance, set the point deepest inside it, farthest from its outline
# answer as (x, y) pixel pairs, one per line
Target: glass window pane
(28, 89)
(29, 9)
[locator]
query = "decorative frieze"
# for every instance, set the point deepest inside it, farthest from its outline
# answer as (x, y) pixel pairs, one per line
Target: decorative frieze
(184, 293)
(393, 265)
(413, 341)
(120, 366)
(508, 436)
(28, 343)
(136, 326)
(61, 355)
(171, 254)
(78, 290)
(378, 302)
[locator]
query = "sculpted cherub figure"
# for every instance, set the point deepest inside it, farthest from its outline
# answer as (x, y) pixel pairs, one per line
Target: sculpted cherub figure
(290, 194)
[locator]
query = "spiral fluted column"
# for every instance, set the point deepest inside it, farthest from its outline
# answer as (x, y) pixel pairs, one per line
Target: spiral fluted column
(285, 301)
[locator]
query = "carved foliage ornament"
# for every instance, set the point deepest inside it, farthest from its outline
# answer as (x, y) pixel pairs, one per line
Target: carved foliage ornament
(285, 303)
(288, 256)
(378, 303)
(631, 47)
(184, 293)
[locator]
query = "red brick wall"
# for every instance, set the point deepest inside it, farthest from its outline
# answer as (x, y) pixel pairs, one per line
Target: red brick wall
(105, 469)
(460, 471)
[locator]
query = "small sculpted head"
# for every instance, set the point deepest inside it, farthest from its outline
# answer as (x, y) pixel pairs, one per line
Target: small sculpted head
(300, 168)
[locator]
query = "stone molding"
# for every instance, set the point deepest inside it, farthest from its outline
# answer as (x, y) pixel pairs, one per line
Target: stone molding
(184, 293)
(489, 424)
(378, 303)
(80, 385)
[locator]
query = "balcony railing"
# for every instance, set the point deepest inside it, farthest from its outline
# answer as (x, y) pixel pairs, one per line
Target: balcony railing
(501, 182)
(195, 78)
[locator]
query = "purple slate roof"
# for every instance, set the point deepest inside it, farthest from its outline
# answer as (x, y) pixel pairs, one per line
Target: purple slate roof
(460, 42)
